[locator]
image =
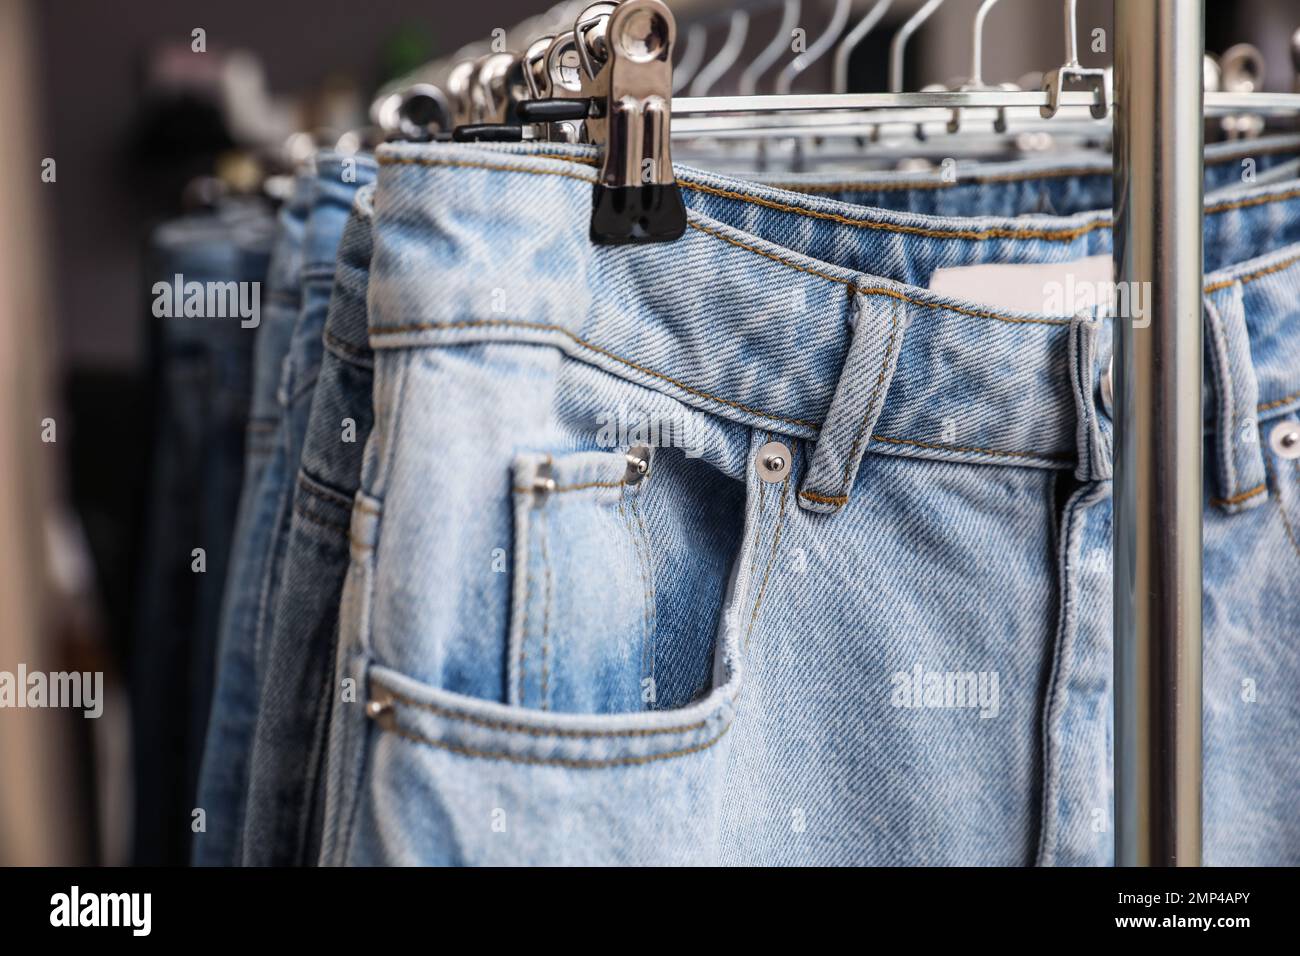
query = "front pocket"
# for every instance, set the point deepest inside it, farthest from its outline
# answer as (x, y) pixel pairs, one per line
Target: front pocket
(453, 780)
(582, 616)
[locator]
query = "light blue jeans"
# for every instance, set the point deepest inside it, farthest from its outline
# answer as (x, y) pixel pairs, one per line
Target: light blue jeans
(884, 639)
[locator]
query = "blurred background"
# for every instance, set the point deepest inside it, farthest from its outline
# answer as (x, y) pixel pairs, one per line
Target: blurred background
(114, 123)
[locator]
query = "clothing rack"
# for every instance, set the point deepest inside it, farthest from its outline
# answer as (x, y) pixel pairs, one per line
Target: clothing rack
(1157, 122)
(1158, 129)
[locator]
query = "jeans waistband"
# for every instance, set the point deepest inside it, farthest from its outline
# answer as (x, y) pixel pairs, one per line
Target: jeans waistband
(781, 311)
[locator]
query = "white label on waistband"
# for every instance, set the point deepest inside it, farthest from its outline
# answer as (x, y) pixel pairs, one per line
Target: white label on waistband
(1056, 288)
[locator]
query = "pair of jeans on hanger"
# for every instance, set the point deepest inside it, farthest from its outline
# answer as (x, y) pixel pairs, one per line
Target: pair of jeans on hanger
(201, 371)
(853, 607)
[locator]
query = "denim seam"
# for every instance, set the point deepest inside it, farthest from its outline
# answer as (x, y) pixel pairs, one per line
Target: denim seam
(548, 597)
(1045, 456)
(583, 343)
(1243, 496)
(1284, 400)
(1028, 176)
(641, 572)
(1223, 382)
(1252, 276)
(995, 233)
(571, 764)
(1063, 656)
(1063, 235)
(505, 725)
(560, 489)
(877, 290)
(972, 235)
(321, 522)
(314, 486)
(523, 544)
(347, 352)
(1281, 509)
(651, 622)
(771, 560)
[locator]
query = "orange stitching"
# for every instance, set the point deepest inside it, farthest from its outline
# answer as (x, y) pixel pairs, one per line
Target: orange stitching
(418, 161)
(878, 290)
(1252, 276)
(577, 340)
(1251, 201)
(973, 234)
(572, 764)
(961, 180)
(1048, 234)
(473, 323)
(825, 499)
(1277, 404)
(489, 724)
(1240, 496)
(1052, 456)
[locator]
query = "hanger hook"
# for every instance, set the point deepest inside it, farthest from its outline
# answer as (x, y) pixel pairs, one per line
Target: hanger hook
(899, 43)
(839, 17)
(725, 58)
(697, 38)
(977, 52)
(853, 40)
(1071, 34)
(769, 53)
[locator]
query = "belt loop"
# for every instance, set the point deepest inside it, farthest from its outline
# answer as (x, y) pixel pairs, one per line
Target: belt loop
(1093, 432)
(1239, 456)
(878, 326)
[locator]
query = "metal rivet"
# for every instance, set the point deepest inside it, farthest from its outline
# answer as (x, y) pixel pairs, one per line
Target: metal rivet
(379, 708)
(1285, 439)
(638, 464)
(774, 461)
(543, 481)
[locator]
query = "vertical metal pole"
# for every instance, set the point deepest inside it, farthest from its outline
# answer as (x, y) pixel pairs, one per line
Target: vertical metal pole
(1157, 400)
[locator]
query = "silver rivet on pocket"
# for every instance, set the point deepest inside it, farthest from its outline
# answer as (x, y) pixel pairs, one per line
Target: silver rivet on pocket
(543, 482)
(773, 461)
(638, 464)
(1285, 439)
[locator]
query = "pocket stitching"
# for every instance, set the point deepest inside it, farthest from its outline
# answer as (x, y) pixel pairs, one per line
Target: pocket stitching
(489, 724)
(568, 762)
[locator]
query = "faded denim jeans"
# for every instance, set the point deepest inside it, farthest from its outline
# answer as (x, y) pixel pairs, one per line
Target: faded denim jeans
(752, 549)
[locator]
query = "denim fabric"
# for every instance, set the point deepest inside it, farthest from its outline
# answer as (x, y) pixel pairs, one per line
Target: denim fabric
(201, 384)
(896, 652)
(294, 665)
(224, 774)
(294, 718)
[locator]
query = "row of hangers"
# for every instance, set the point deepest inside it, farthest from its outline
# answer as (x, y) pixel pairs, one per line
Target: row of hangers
(603, 73)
